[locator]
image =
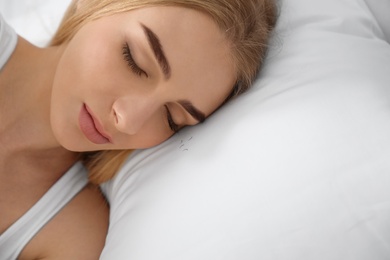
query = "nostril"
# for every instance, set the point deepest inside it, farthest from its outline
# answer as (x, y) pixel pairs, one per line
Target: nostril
(116, 117)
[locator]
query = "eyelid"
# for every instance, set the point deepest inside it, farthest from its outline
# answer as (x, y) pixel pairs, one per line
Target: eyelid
(172, 125)
(128, 57)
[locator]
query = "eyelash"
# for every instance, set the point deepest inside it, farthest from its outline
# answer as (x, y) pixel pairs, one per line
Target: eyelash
(130, 61)
(172, 125)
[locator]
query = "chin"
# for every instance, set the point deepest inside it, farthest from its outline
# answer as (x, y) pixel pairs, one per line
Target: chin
(69, 142)
(82, 146)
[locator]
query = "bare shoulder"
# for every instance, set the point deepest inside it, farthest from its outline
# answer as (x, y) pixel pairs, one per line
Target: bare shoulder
(78, 231)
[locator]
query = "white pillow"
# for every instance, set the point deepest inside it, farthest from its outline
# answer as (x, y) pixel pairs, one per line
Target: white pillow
(298, 168)
(35, 20)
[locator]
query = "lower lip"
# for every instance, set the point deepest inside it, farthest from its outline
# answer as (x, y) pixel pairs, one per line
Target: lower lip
(87, 126)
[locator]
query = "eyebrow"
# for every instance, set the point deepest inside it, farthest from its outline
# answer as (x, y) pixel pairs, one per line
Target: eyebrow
(156, 46)
(193, 111)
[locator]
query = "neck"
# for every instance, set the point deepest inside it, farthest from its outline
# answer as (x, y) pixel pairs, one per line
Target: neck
(25, 93)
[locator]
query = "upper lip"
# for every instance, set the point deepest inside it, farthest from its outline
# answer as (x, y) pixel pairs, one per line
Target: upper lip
(99, 127)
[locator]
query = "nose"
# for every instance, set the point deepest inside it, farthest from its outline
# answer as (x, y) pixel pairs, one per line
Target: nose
(132, 113)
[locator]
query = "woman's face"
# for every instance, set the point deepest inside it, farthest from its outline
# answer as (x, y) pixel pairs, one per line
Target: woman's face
(131, 80)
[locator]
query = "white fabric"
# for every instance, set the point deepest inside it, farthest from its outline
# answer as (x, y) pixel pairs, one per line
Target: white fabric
(380, 12)
(34, 20)
(8, 40)
(298, 168)
(16, 237)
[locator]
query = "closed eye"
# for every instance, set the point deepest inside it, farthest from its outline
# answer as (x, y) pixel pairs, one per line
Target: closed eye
(126, 52)
(172, 125)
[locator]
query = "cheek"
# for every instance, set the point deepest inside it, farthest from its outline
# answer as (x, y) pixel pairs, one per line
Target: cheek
(70, 74)
(89, 52)
(86, 71)
(148, 136)
(65, 96)
(69, 91)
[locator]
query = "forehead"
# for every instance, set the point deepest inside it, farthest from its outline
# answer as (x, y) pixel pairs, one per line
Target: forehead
(199, 54)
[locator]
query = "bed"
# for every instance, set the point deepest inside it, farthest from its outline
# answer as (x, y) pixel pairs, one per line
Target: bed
(297, 168)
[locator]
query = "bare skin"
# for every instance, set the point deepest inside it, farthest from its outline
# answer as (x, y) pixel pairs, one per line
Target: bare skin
(35, 168)
(41, 133)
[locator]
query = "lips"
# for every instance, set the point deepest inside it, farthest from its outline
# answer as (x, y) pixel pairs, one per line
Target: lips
(91, 127)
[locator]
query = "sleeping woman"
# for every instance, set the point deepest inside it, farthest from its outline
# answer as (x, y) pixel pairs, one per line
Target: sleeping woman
(118, 75)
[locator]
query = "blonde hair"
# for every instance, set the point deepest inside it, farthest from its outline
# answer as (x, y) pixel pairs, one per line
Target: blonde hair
(247, 25)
